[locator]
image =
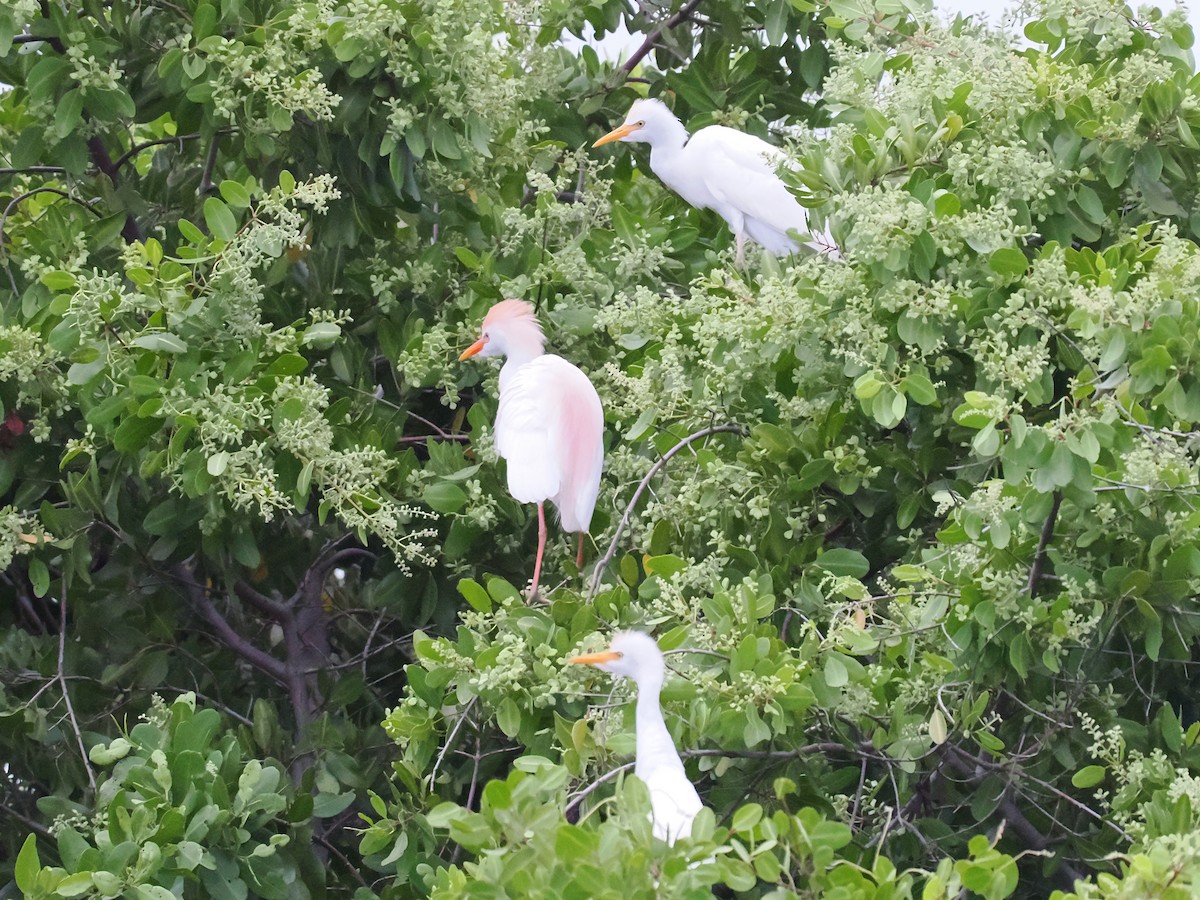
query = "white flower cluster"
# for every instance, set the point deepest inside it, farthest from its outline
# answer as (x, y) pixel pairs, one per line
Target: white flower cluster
(20, 534)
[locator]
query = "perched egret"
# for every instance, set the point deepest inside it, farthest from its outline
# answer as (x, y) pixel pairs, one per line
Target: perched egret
(549, 425)
(674, 802)
(722, 169)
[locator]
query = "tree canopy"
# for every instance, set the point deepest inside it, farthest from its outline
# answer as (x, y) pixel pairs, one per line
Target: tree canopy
(916, 526)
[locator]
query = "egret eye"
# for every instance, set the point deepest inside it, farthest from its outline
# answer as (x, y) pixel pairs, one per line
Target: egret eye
(640, 124)
(619, 654)
(485, 335)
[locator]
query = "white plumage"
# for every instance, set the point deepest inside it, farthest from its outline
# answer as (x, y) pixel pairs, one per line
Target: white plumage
(674, 802)
(549, 429)
(722, 169)
(549, 424)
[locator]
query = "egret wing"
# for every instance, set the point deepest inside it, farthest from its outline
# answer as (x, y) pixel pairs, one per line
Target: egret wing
(526, 432)
(673, 802)
(581, 445)
(739, 170)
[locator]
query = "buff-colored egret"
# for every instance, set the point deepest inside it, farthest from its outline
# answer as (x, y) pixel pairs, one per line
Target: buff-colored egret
(722, 169)
(549, 424)
(674, 802)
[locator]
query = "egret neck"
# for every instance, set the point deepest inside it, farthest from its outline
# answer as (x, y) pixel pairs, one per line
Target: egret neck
(655, 749)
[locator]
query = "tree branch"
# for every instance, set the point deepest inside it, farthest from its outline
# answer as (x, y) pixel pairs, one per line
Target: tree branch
(261, 602)
(62, 680)
(823, 747)
(652, 38)
(1012, 814)
(18, 200)
(34, 170)
(146, 145)
(602, 565)
(226, 632)
(1039, 556)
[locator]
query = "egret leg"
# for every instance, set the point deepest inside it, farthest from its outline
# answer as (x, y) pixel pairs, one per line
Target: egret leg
(741, 250)
(579, 554)
(537, 565)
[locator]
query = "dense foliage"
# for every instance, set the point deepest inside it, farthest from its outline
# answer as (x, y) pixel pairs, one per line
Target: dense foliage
(924, 559)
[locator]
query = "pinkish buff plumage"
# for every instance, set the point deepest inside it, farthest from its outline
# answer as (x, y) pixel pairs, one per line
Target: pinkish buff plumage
(549, 424)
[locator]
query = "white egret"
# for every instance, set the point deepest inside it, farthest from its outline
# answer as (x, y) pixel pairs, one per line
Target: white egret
(549, 424)
(722, 169)
(674, 802)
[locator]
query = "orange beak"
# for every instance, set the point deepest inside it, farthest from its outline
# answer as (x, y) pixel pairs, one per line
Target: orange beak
(594, 659)
(616, 134)
(473, 349)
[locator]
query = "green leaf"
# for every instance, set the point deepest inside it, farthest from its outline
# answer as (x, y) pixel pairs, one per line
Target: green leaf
(475, 595)
(28, 865)
(330, 804)
(508, 717)
(221, 222)
(844, 561)
(235, 194)
(160, 342)
(445, 497)
(1008, 262)
(134, 433)
(1089, 776)
(919, 388)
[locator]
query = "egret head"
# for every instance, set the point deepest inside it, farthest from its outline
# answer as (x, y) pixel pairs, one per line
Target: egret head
(647, 120)
(631, 654)
(509, 325)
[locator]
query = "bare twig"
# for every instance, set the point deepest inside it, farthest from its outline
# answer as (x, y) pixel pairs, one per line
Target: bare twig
(1039, 556)
(450, 740)
(31, 824)
(177, 139)
(62, 680)
(823, 747)
(19, 199)
(34, 170)
(602, 565)
(652, 38)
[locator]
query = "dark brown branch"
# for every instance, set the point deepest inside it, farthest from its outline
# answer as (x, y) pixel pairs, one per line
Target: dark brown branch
(62, 680)
(29, 823)
(131, 231)
(1039, 556)
(652, 38)
(34, 170)
(1012, 814)
(54, 41)
(602, 565)
(229, 636)
(146, 145)
(261, 602)
(210, 163)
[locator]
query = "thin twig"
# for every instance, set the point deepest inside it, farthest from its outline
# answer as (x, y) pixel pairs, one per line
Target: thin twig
(652, 38)
(1039, 556)
(16, 201)
(34, 170)
(146, 145)
(31, 824)
(450, 740)
(602, 565)
(822, 747)
(62, 680)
